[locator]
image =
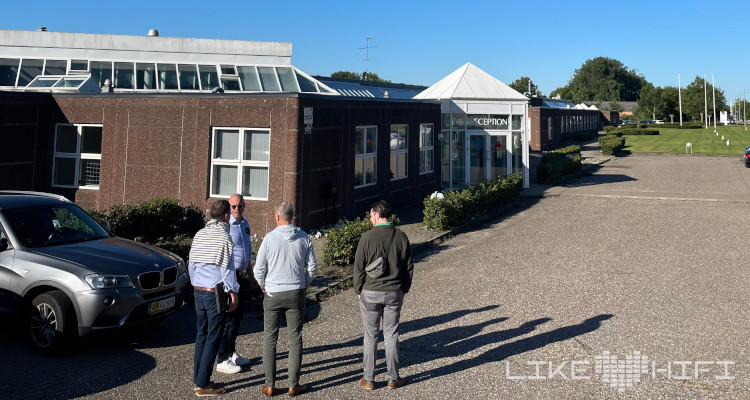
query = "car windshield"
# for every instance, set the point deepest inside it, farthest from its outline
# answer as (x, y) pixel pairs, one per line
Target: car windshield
(51, 225)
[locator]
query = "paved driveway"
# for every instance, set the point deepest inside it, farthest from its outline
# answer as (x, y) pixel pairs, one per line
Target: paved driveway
(644, 262)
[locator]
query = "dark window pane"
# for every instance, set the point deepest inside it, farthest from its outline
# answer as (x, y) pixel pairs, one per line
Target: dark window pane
(91, 140)
(55, 67)
(167, 76)
(67, 139)
(101, 71)
(209, 77)
(188, 77)
(30, 69)
(305, 84)
(288, 83)
(145, 76)
(79, 65)
(268, 79)
(124, 75)
(65, 170)
(8, 71)
(230, 83)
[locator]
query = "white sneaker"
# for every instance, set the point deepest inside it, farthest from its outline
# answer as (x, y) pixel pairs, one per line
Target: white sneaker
(227, 367)
(239, 360)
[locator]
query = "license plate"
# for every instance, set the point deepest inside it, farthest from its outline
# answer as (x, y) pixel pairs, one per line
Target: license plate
(161, 305)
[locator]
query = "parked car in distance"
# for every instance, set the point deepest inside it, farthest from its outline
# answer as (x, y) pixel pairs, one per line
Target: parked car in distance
(627, 122)
(63, 275)
(658, 121)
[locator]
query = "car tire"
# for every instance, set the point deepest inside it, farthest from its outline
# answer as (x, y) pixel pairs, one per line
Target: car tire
(51, 322)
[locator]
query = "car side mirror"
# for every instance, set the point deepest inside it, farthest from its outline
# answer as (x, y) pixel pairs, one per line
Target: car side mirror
(4, 244)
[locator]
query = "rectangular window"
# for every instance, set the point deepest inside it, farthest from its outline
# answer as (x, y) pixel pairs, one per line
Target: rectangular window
(30, 69)
(101, 71)
(426, 148)
(124, 75)
(145, 76)
(55, 67)
(209, 77)
(167, 77)
(77, 157)
(249, 78)
(240, 162)
(399, 151)
(365, 156)
(550, 128)
(8, 71)
(188, 76)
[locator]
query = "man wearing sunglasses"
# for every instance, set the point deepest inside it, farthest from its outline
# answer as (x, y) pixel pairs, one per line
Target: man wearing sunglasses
(228, 361)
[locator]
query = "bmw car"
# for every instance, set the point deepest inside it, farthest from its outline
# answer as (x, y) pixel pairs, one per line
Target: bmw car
(63, 275)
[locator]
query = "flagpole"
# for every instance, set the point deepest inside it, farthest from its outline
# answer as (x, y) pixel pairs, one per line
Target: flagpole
(705, 100)
(713, 95)
(679, 95)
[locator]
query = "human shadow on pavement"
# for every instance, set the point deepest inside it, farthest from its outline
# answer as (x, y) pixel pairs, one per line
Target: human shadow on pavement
(351, 362)
(496, 354)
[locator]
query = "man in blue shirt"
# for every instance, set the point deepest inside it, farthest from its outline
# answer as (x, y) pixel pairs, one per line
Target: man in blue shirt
(211, 264)
(228, 361)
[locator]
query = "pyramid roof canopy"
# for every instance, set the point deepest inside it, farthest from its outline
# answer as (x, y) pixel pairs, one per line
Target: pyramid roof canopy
(470, 82)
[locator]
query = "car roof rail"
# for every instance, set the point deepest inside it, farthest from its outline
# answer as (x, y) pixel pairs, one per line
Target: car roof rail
(31, 193)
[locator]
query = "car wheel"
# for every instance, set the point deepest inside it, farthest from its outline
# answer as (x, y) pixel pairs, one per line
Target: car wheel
(51, 322)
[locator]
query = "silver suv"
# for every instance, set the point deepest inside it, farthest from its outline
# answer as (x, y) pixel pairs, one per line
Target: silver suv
(64, 275)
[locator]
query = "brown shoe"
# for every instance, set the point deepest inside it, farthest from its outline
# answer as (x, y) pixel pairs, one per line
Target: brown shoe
(364, 384)
(211, 385)
(268, 391)
(400, 382)
(211, 391)
(297, 390)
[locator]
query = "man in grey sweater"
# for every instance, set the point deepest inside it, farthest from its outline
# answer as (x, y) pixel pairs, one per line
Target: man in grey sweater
(284, 267)
(381, 297)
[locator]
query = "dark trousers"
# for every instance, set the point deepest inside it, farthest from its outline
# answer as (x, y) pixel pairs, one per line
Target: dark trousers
(291, 303)
(231, 330)
(210, 327)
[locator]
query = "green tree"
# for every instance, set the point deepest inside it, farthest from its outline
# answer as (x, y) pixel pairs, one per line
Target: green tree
(521, 85)
(694, 100)
(346, 75)
(371, 76)
(604, 79)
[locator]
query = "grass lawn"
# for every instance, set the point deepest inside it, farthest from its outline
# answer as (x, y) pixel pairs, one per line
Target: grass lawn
(673, 141)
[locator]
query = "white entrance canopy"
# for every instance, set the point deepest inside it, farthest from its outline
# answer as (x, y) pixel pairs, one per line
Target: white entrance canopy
(470, 82)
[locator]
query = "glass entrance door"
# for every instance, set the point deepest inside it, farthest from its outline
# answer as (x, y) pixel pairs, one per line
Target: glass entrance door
(498, 156)
(477, 161)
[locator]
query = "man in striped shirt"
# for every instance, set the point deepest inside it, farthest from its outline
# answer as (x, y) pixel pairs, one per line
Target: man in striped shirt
(211, 264)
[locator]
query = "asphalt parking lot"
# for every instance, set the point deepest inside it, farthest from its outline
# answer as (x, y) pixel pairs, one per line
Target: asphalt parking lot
(628, 283)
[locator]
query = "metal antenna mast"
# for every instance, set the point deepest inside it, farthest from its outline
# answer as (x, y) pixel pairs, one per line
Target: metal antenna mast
(367, 57)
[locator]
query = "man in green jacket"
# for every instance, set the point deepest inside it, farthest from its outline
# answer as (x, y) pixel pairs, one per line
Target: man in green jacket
(381, 296)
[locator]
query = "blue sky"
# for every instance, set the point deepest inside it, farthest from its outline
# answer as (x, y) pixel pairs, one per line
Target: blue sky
(419, 42)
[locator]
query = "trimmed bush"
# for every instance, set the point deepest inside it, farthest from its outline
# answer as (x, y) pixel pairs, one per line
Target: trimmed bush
(685, 125)
(609, 128)
(614, 132)
(611, 145)
(572, 149)
(555, 166)
(458, 206)
(154, 219)
(342, 240)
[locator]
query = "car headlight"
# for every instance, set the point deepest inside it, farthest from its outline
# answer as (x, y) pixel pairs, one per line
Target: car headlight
(102, 281)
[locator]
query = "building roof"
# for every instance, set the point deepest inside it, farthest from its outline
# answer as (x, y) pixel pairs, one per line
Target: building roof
(626, 106)
(470, 82)
(371, 89)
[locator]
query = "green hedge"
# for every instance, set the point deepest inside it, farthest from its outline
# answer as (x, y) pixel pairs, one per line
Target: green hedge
(636, 131)
(611, 144)
(458, 206)
(153, 219)
(609, 128)
(685, 125)
(572, 149)
(555, 166)
(342, 239)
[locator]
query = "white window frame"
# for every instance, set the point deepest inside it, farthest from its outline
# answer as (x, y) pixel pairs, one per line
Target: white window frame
(239, 162)
(424, 149)
(78, 157)
(362, 158)
(399, 150)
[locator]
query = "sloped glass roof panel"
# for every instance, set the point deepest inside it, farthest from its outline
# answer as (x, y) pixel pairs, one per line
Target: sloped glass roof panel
(286, 77)
(268, 79)
(305, 84)
(41, 81)
(70, 82)
(249, 78)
